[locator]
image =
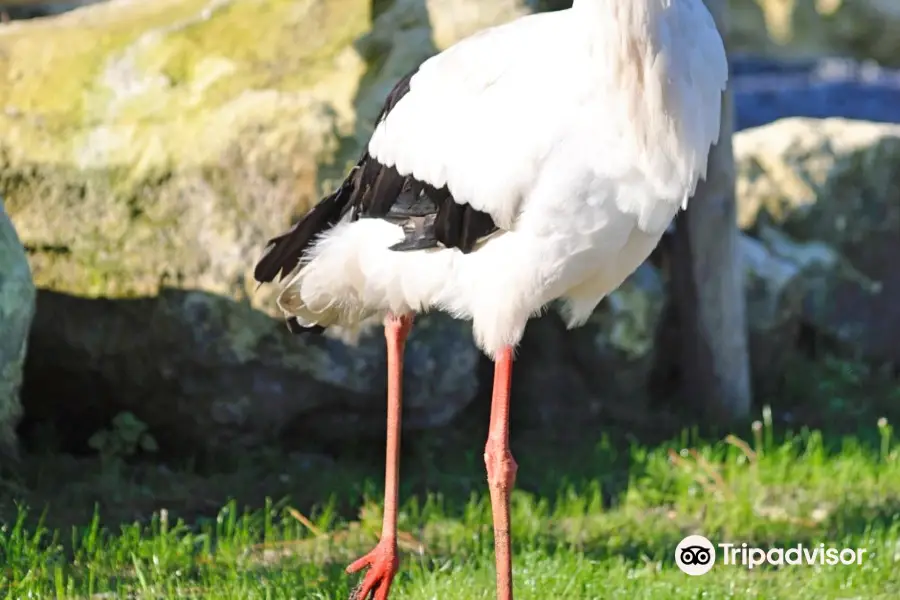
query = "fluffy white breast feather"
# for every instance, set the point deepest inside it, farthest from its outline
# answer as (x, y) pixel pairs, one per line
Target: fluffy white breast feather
(581, 133)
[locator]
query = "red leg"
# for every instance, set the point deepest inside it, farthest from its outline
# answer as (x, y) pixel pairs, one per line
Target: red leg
(383, 561)
(501, 471)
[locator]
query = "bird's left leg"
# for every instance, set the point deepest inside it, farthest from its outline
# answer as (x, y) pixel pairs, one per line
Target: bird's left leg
(383, 560)
(501, 471)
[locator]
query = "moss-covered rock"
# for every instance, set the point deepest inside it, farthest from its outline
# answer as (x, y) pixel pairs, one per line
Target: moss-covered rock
(825, 195)
(865, 29)
(16, 312)
(148, 150)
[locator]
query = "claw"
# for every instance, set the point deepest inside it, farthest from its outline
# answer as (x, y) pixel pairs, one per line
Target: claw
(382, 563)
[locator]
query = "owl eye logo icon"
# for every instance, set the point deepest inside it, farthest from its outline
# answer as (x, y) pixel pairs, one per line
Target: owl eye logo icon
(695, 555)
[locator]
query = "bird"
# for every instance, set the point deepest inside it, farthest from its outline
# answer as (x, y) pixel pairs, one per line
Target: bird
(539, 160)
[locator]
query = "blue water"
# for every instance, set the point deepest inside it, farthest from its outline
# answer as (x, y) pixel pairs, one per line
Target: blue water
(769, 89)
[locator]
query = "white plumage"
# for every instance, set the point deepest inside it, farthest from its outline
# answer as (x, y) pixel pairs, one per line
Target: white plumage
(580, 132)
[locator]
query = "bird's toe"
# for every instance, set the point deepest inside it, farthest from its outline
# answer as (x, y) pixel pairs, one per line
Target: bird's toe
(382, 563)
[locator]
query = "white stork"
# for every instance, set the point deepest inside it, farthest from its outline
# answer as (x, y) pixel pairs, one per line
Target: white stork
(538, 160)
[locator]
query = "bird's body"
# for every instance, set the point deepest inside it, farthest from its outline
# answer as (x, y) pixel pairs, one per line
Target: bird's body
(541, 159)
(576, 139)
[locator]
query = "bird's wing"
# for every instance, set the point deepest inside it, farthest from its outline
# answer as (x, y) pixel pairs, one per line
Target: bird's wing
(486, 115)
(477, 117)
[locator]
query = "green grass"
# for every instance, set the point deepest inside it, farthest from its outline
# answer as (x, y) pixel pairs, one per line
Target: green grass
(573, 539)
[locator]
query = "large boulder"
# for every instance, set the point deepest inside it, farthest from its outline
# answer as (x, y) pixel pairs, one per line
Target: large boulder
(16, 312)
(824, 195)
(602, 367)
(147, 151)
(868, 29)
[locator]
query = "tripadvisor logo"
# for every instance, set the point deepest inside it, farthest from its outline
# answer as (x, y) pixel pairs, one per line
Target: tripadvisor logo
(696, 555)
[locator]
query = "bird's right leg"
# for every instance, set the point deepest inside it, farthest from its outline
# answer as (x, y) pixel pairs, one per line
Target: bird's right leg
(501, 471)
(383, 560)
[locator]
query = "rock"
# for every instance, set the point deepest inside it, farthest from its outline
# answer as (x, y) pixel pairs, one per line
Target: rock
(147, 151)
(774, 286)
(16, 312)
(868, 29)
(603, 366)
(621, 333)
(628, 351)
(833, 187)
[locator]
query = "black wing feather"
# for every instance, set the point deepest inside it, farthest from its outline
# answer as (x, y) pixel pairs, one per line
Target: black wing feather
(429, 216)
(283, 253)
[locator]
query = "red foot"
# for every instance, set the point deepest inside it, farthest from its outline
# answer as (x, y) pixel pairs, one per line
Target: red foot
(382, 562)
